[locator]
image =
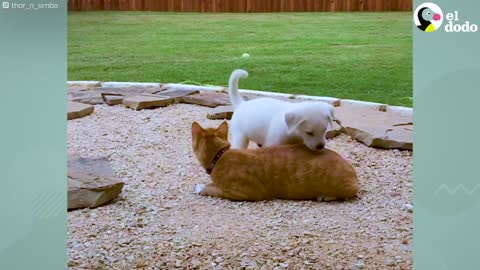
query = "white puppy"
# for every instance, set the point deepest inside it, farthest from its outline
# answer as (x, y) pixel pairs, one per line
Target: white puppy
(268, 121)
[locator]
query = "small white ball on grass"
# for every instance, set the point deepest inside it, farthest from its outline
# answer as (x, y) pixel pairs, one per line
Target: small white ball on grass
(245, 55)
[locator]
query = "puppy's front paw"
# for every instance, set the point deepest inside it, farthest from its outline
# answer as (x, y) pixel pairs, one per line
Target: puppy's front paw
(199, 188)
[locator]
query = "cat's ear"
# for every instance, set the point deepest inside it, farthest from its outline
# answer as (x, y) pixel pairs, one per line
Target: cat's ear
(222, 130)
(197, 130)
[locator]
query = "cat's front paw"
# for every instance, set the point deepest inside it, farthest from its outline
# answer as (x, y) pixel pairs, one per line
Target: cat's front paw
(326, 199)
(198, 188)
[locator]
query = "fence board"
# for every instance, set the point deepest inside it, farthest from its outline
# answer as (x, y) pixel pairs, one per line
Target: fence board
(242, 5)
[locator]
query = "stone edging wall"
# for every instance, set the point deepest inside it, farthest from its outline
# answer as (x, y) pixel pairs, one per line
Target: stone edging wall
(403, 111)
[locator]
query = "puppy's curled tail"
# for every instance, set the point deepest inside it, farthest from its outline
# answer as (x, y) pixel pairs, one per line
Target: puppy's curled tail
(235, 97)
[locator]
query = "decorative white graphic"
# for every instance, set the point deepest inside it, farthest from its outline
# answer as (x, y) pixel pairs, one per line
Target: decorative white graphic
(459, 188)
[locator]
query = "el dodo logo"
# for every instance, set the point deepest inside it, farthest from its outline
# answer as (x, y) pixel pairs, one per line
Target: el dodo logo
(428, 17)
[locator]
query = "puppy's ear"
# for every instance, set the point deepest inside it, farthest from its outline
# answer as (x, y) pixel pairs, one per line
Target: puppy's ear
(292, 120)
(197, 130)
(331, 116)
(222, 130)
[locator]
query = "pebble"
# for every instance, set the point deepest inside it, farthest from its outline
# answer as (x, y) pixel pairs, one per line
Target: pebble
(390, 262)
(196, 262)
(360, 265)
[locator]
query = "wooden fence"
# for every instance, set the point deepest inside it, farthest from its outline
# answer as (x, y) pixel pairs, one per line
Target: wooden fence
(242, 5)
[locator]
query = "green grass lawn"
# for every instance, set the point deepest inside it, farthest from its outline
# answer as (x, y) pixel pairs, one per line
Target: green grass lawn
(364, 56)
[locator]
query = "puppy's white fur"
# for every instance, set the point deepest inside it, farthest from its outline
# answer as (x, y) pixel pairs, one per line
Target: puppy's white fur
(268, 121)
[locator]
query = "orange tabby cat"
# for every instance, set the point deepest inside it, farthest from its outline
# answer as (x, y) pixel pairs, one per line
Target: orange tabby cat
(291, 172)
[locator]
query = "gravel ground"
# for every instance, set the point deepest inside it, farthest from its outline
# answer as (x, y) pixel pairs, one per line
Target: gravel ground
(158, 223)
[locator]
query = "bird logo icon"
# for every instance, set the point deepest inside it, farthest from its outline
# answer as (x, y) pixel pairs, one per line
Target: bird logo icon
(428, 17)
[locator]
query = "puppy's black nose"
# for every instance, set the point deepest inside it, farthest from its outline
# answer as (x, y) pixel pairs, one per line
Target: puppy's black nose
(320, 146)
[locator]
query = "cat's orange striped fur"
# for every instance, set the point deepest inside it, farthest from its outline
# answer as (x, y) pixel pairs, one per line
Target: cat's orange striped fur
(291, 172)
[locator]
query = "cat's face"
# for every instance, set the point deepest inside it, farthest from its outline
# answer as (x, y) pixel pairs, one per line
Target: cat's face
(208, 140)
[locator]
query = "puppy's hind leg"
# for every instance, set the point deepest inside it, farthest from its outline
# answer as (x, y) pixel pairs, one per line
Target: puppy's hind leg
(239, 142)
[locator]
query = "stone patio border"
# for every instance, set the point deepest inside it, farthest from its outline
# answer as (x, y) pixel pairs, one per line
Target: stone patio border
(404, 111)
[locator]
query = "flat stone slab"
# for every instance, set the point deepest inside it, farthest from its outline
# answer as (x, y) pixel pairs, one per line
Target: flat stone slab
(77, 110)
(208, 99)
(85, 96)
(375, 128)
(126, 91)
(220, 113)
(145, 101)
(178, 95)
(91, 182)
(113, 99)
(95, 95)
(75, 88)
(334, 131)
